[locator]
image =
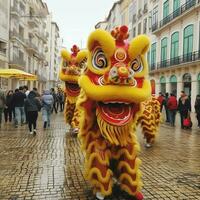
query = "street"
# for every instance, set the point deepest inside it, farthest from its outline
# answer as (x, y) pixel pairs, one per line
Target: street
(50, 165)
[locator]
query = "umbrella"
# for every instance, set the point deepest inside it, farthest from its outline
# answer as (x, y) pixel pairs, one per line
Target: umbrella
(16, 73)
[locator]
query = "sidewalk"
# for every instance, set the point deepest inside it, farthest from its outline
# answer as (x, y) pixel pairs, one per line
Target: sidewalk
(50, 165)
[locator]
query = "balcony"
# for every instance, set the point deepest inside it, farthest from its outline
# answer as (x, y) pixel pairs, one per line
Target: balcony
(33, 22)
(17, 62)
(3, 52)
(31, 47)
(14, 35)
(14, 11)
(177, 61)
(182, 10)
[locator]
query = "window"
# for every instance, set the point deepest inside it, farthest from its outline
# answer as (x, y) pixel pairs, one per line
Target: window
(139, 28)
(130, 13)
(155, 16)
(198, 79)
(145, 25)
(153, 55)
(134, 31)
(188, 42)
(165, 9)
(176, 4)
(164, 49)
(148, 57)
(174, 46)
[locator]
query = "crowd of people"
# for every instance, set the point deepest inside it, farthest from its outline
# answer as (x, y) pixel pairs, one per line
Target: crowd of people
(22, 106)
(182, 105)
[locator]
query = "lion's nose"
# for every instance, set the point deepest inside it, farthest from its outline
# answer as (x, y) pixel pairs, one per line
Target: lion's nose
(123, 72)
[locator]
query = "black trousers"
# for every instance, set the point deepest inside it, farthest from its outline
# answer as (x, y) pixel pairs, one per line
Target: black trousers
(8, 114)
(54, 107)
(32, 119)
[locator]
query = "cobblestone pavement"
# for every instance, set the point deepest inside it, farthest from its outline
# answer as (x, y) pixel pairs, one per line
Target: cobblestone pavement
(49, 165)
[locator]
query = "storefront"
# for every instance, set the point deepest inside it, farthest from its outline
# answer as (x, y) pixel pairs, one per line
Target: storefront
(187, 83)
(163, 84)
(198, 82)
(173, 85)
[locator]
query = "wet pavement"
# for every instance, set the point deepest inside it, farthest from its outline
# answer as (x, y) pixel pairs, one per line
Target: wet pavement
(49, 165)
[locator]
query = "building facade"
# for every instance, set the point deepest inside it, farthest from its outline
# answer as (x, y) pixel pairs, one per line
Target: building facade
(54, 46)
(4, 38)
(28, 40)
(174, 29)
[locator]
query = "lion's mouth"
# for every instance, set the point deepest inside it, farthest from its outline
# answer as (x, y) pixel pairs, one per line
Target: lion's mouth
(117, 113)
(73, 89)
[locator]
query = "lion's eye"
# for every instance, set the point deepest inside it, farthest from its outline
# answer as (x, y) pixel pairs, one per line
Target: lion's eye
(65, 64)
(136, 65)
(99, 60)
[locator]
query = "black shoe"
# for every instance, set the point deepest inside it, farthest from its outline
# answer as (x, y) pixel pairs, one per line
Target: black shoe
(45, 125)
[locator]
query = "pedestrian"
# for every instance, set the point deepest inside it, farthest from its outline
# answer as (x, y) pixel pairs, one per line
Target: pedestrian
(53, 93)
(172, 108)
(9, 108)
(32, 106)
(197, 108)
(2, 104)
(36, 92)
(184, 108)
(18, 100)
(161, 100)
(47, 104)
(166, 108)
(26, 91)
(60, 98)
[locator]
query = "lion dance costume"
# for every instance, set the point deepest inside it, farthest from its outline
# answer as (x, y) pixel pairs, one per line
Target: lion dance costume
(112, 89)
(71, 67)
(150, 119)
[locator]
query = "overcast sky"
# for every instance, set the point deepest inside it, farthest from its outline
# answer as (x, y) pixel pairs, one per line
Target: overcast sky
(77, 18)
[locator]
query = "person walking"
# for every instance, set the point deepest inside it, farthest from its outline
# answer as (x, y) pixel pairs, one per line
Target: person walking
(197, 108)
(60, 98)
(47, 104)
(18, 100)
(2, 104)
(9, 108)
(32, 106)
(54, 107)
(172, 108)
(161, 100)
(166, 107)
(184, 108)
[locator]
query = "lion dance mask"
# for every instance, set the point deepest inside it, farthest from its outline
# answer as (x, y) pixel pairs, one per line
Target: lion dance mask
(112, 88)
(71, 67)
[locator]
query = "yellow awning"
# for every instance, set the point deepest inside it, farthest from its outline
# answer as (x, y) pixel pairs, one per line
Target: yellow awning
(16, 73)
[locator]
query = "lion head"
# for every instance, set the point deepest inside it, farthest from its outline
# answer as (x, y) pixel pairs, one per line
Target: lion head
(116, 79)
(71, 67)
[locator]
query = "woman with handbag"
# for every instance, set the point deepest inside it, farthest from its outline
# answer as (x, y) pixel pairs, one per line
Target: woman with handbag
(184, 108)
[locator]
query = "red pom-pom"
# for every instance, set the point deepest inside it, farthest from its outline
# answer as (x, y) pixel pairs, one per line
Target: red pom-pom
(124, 29)
(139, 196)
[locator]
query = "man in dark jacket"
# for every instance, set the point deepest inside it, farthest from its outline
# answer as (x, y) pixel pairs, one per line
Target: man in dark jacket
(54, 100)
(18, 101)
(32, 106)
(197, 108)
(184, 107)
